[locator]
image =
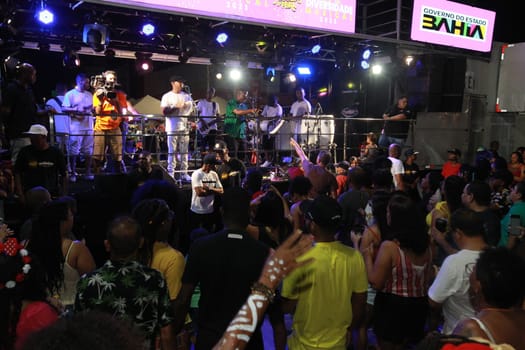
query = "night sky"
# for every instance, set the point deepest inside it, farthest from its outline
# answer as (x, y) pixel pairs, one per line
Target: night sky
(509, 19)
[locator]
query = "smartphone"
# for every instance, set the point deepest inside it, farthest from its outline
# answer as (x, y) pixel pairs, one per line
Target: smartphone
(515, 223)
(441, 225)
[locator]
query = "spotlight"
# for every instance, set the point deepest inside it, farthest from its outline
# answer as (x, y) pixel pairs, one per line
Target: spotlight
(235, 74)
(96, 36)
(316, 49)
(45, 16)
(270, 74)
(365, 64)
(409, 60)
(261, 46)
(148, 29)
(218, 76)
(144, 63)
(377, 69)
(222, 38)
(304, 70)
(367, 53)
(70, 59)
(291, 78)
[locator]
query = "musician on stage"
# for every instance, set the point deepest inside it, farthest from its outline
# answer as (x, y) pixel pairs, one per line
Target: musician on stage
(208, 111)
(176, 105)
(272, 111)
(300, 108)
(235, 123)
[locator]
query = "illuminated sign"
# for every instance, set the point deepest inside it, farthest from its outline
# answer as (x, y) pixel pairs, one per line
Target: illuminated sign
(337, 16)
(452, 24)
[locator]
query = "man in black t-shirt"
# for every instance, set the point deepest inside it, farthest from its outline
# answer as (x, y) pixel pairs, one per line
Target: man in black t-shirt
(224, 265)
(40, 164)
(396, 125)
(232, 170)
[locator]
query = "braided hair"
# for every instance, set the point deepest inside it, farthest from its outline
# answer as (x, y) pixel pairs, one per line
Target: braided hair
(154, 217)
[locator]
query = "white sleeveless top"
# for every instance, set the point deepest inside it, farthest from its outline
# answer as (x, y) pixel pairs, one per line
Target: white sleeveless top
(71, 277)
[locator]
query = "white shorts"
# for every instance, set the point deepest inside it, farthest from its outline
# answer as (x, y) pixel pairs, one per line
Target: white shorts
(81, 143)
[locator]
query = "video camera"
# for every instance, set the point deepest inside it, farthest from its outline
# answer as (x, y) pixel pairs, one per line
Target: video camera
(102, 86)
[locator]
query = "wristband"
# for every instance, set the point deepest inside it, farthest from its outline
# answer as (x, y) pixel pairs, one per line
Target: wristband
(264, 290)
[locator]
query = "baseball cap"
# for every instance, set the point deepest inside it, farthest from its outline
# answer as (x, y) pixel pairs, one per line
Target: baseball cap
(343, 164)
(455, 151)
(37, 129)
(177, 78)
(410, 152)
(324, 211)
(211, 158)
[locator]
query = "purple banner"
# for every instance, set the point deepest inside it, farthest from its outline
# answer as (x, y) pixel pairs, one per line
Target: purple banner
(452, 24)
(337, 16)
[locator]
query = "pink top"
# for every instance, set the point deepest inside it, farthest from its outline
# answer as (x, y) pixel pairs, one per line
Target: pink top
(33, 317)
(408, 280)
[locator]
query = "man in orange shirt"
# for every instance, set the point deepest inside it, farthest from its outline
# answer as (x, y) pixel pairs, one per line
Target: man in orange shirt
(452, 166)
(109, 105)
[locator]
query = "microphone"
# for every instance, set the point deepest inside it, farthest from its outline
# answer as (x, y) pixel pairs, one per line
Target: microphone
(318, 108)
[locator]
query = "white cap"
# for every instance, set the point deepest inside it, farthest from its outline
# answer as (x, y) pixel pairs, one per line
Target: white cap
(37, 129)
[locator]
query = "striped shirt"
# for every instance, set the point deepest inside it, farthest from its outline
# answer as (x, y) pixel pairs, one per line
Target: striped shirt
(408, 280)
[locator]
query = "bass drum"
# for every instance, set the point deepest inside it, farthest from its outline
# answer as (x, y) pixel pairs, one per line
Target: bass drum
(326, 136)
(282, 137)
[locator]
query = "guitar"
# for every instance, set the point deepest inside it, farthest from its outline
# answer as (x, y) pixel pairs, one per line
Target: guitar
(204, 127)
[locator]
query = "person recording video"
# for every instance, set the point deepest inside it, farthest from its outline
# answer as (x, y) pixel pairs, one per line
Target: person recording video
(110, 105)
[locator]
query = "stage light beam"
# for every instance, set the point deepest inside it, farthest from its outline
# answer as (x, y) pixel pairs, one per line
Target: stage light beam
(45, 16)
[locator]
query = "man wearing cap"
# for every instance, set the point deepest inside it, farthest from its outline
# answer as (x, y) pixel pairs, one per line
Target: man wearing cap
(40, 164)
(411, 175)
(452, 166)
(176, 105)
(232, 170)
(205, 184)
(235, 123)
(329, 295)
(341, 175)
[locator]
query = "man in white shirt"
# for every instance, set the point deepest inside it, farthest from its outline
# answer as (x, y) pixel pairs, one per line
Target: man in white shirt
(300, 108)
(176, 105)
(208, 110)
(271, 112)
(449, 291)
(205, 184)
(78, 102)
(397, 169)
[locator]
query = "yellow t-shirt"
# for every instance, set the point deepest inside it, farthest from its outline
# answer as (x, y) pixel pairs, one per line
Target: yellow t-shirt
(170, 262)
(441, 207)
(323, 290)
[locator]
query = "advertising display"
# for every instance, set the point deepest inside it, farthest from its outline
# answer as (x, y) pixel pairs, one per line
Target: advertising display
(452, 24)
(336, 16)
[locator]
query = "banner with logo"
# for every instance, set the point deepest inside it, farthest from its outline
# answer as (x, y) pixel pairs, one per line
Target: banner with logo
(452, 24)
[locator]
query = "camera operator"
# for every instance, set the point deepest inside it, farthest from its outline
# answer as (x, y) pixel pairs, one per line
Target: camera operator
(110, 105)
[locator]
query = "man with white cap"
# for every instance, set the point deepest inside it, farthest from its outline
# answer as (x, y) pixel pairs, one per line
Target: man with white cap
(40, 164)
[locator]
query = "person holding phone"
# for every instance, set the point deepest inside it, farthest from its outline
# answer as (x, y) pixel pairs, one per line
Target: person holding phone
(510, 231)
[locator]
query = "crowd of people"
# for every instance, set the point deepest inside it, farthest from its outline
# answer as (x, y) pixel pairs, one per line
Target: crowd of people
(384, 254)
(370, 251)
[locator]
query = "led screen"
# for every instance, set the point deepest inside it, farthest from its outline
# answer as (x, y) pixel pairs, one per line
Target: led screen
(336, 16)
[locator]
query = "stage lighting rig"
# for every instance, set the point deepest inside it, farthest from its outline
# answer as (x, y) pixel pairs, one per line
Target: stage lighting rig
(96, 36)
